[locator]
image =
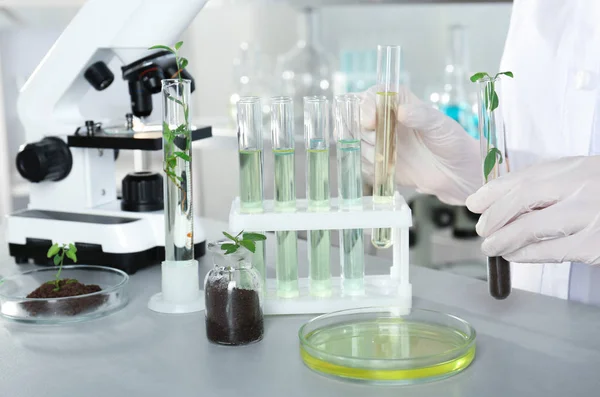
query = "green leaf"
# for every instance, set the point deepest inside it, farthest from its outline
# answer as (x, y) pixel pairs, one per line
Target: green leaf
(230, 251)
(254, 237)
(494, 104)
(239, 234)
(53, 250)
(183, 62)
(489, 163)
(72, 247)
(180, 179)
(478, 76)
(228, 246)
(249, 245)
(161, 47)
(72, 256)
(183, 156)
(178, 45)
(176, 100)
(58, 259)
(509, 74)
(172, 162)
(229, 236)
(70, 281)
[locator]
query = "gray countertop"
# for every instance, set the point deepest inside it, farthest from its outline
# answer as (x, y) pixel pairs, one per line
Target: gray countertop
(528, 345)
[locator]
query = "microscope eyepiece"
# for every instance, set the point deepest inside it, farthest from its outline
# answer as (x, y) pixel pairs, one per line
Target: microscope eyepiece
(144, 77)
(99, 76)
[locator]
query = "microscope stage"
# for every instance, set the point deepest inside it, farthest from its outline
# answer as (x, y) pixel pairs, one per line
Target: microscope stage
(102, 238)
(151, 140)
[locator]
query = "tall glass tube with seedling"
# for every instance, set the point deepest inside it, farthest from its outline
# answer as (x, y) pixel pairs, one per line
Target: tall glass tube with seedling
(282, 137)
(350, 190)
(388, 85)
(180, 289)
(251, 157)
(494, 163)
(316, 138)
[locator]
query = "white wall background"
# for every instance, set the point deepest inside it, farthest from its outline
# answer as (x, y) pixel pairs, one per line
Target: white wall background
(212, 42)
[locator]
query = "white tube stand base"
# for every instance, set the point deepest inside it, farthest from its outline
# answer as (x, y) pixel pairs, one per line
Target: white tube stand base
(180, 293)
(392, 290)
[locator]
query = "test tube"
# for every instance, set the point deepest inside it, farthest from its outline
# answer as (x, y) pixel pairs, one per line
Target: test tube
(388, 84)
(494, 164)
(251, 158)
(350, 190)
(282, 136)
(316, 138)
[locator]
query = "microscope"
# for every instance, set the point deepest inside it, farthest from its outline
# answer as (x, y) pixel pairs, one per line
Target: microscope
(70, 157)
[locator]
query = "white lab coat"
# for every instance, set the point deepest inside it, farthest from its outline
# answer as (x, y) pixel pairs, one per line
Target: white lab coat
(552, 107)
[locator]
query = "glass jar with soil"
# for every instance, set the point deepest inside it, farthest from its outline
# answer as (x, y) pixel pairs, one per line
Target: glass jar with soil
(233, 297)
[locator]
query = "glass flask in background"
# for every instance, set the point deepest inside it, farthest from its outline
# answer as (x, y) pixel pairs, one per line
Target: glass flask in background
(305, 70)
(454, 99)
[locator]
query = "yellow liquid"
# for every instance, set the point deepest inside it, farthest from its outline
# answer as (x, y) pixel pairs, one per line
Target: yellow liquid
(384, 341)
(385, 161)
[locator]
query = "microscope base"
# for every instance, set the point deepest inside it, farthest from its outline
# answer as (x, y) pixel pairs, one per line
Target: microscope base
(126, 241)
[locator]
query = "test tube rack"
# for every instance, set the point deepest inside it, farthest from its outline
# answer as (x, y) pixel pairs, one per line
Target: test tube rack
(393, 289)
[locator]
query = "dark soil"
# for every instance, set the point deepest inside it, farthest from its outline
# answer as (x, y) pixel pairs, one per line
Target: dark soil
(233, 317)
(499, 277)
(67, 307)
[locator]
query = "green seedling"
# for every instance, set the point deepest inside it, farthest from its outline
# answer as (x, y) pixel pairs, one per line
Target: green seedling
(182, 130)
(58, 253)
(246, 240)
(491, 102)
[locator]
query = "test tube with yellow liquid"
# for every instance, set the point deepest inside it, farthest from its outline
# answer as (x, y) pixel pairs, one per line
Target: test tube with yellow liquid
(388, 85)
(283, 142)
(316, 138)
(251, 158)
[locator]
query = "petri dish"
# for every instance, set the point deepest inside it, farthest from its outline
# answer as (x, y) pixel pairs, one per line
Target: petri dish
(15, 306)
(387, 345)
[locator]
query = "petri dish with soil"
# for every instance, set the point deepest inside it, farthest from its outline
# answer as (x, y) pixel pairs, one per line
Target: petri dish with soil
(84, 293)
(383, 345)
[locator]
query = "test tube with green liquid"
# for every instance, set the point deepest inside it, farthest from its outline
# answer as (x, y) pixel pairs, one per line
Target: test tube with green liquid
(282, 137)
(251, 158)
(388, 84)
(316, 138)
(350, 190)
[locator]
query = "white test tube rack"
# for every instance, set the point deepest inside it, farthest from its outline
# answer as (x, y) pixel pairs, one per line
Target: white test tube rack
(393, 289)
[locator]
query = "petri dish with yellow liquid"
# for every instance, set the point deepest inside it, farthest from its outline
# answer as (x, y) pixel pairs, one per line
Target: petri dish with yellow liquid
(387, 345)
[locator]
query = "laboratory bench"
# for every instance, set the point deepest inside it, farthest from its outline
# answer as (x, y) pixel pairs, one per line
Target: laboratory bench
(527, 345)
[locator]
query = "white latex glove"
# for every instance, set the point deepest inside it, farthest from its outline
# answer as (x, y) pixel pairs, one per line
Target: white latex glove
(435, 154)
(547, 213)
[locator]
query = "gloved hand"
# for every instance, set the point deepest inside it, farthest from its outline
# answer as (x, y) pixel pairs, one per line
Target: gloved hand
(435, 154)
(547, 213)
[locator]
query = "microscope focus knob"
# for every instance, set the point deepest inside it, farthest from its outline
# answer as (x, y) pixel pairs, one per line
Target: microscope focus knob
(47, 160)
(142, 192)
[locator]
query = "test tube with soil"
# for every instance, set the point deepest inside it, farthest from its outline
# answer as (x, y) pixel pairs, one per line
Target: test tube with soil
(494, 163)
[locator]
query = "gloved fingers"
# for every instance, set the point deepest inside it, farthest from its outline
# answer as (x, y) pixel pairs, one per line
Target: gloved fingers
(483, 198)
(368, 106)
(368, 137)
(575, 248)
(367, 161)
(494, 190)
(430, 122)
(556, 221)
(520, 200)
